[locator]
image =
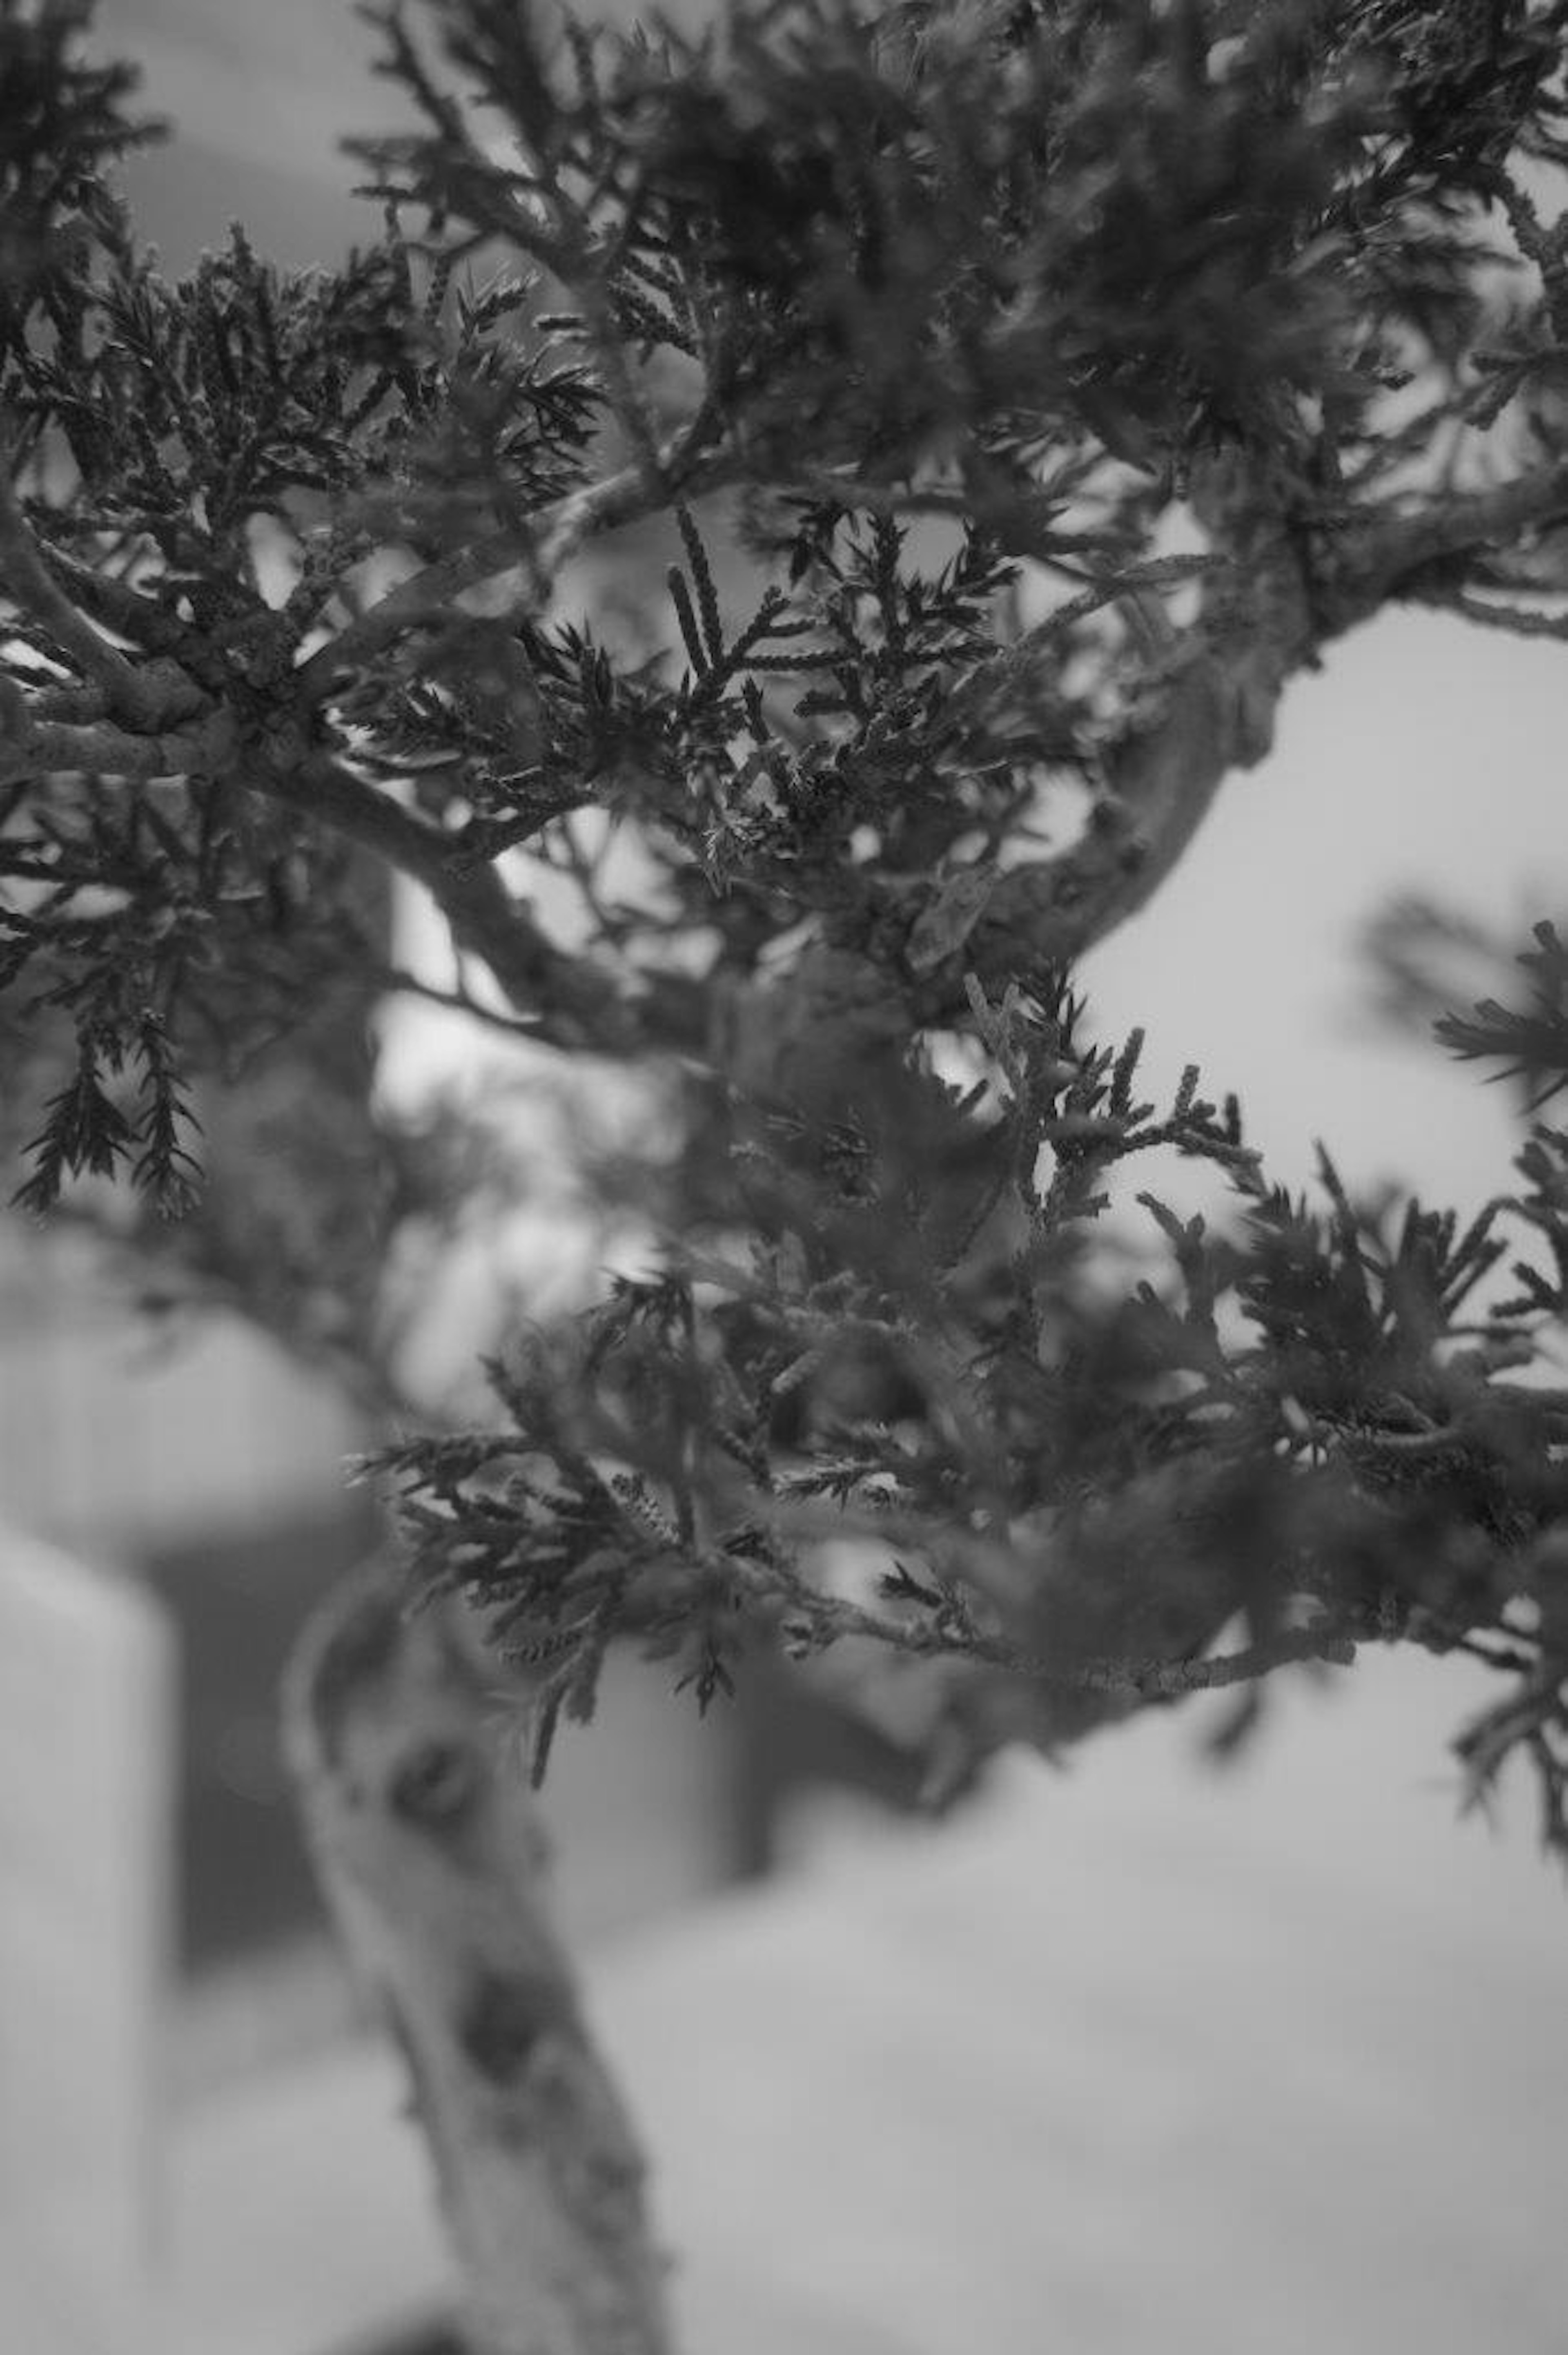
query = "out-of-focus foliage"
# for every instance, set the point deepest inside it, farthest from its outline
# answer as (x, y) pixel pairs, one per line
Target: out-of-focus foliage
(895, 1328)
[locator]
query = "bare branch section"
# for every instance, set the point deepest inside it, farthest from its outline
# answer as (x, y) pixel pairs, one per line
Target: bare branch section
(26, 580)
(433, 1860)
(1212, 706)
(30, 748)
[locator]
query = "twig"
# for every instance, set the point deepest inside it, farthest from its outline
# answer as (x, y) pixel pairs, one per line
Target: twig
(1520, 621)
(117, 605)
(428, 595)
(1402, 548)
(457, 1001)
(1156, 1679)
(1147, 1679)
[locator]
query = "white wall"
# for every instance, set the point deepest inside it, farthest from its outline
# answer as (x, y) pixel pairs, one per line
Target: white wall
(111, 1440)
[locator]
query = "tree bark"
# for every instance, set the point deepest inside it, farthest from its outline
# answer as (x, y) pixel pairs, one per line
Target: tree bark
(433, 1862)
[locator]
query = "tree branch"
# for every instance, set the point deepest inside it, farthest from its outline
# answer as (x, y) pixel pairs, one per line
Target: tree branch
(433, 1862)
(428, 594)
(1382, 561)
(33, 747)
(564, 1000)
(29, 584)
(1519, 621)
(117, 605)
(425, 595)
(1211, 706)
(454, 1001)
(561, 1000)
(1132, 1678)
(1206, 705)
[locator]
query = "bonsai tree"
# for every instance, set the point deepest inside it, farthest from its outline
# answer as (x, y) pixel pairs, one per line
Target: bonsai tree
(1025, 396)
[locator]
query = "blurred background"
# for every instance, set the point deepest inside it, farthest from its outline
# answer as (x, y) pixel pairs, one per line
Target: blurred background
(1422, 760)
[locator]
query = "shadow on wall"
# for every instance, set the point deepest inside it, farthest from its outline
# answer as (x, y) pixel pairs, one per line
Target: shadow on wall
(238, 1600)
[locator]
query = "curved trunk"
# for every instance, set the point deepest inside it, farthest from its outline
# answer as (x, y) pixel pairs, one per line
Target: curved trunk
(432, 1859)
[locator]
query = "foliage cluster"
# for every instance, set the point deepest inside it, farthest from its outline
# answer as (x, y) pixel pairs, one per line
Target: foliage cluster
(1028, 392)
(894, 1329)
